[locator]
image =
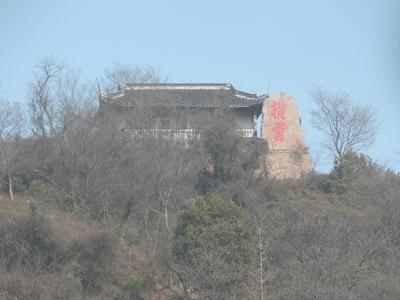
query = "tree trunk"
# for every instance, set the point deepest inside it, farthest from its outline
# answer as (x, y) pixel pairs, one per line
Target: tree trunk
(261, 259)
(146, 216)
(10, 185)
(166, 219)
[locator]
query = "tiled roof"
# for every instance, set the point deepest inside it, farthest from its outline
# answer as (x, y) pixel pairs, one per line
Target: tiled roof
(182, 95)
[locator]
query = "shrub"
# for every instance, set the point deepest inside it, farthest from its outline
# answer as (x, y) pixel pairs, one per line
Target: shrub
(28, 241)
(52, 196)
(213, 246)
(93, 260)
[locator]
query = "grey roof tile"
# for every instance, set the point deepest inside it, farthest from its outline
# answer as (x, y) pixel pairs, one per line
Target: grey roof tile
(182, 95)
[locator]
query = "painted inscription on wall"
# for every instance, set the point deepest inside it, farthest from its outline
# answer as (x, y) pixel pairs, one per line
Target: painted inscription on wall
(278, 110)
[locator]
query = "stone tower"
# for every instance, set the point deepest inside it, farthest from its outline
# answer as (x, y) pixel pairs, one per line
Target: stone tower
(287, 156)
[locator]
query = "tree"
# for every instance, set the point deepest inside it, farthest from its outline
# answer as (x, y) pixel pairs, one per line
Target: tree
(127, 73)
(11, 124)
(57, 97)
(232, 165)
(214, 247)
(222, 146)
(42, 106)
(350, 170)
(345, 125)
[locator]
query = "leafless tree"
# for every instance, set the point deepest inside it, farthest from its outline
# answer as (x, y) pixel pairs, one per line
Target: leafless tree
(345, 125)
(129, 73)
(57, 97)
(170, 169)
(11, 125)
(41, 99)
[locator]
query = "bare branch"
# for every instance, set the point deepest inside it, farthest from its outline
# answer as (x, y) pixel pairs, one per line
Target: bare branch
(345, 125)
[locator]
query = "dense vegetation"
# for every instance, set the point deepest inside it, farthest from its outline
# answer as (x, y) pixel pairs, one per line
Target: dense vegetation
(97, 214)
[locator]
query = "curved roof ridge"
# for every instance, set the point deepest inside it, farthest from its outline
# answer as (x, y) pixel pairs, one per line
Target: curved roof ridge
(183, 94)
(150, 86)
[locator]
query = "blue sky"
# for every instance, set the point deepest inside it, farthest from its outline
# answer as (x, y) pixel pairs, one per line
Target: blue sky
(342, 45)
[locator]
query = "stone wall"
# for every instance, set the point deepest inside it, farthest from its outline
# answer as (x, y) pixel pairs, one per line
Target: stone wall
(287, 156)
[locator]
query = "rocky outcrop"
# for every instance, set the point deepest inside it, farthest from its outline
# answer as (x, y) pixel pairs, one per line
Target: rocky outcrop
(288, 157)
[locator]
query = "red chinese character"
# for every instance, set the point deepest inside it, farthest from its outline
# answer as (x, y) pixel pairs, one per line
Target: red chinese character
(278, 110)
(279, 131)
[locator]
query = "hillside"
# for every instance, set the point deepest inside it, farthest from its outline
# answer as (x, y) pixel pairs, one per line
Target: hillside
(153, 221)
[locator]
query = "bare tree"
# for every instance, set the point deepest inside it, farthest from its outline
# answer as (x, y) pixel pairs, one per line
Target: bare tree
(345, 125)
(170, 169)
(57, 97)
(41, 99)
(129, 73)
(11, 124)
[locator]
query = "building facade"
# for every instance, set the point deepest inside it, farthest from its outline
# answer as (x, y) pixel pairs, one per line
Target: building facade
(174, 111)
